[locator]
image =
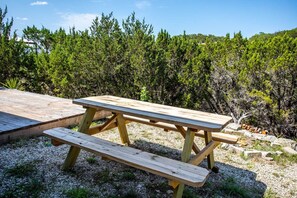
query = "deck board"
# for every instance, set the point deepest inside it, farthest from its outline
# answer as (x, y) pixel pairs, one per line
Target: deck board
(25, 114)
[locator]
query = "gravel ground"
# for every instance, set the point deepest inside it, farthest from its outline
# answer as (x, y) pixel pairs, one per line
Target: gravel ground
(32, 168)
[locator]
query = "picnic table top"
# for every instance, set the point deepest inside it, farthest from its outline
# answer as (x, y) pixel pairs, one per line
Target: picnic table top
(157, 112)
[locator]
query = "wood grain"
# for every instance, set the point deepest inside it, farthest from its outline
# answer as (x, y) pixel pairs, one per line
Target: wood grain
(157, 112)
(171, 169)
(20, 110)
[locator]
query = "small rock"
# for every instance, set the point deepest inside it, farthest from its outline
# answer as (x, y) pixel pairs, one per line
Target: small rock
(169, 192)
(259, 136)
(284, 142)
(225, 146)
(247, 134)
(294, 146)
(158, 191)
(265, 154)
(252, 154)
(236, 149)
(268, 158)
(269, 138)
(279, 153)
(289, 150)
(226, 130)
(233, 126)
(139, 186)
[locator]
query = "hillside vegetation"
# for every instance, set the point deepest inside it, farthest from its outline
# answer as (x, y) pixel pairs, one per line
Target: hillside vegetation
(230, 74)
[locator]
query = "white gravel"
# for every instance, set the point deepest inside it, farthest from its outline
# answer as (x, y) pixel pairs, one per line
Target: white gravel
(100, 178)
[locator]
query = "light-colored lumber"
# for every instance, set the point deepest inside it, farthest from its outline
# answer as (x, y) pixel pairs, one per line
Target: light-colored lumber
(204, 153)
(210, 157)
(103, 127)
(83, 127)
(220, 137)
(163, 125)
(168, 168)
(122, 129)
(186, 153)
(183, 133)
(97, 129)
(24, 114)
(157, 112)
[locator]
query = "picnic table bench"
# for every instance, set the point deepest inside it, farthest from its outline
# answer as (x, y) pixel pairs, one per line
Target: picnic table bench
(189, 123)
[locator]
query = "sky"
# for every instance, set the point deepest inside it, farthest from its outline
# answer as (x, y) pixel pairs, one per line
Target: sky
(217, 17)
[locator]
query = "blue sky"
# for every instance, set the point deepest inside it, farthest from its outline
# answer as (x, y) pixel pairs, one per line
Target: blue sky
(216, 17)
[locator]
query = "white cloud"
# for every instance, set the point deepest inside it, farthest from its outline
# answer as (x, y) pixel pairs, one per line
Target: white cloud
(142, 4)
(80, 21)
(22, 18)
(38, 3)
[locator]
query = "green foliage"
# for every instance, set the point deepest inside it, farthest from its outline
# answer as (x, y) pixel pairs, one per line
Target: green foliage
(91, 160)
(103, 176)
(13, 83)
(144, 94)
(264, 146)
(21, 170)
(79, 193)
(130, 194)
(31, 188)
(231, 189)
(270, 194)
(215, 74)
(285, 159)
(128, 175)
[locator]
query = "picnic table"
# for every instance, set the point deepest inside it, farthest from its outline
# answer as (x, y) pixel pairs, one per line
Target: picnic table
(189, 123)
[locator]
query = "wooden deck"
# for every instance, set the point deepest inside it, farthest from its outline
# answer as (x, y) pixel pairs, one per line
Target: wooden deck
(25, 114)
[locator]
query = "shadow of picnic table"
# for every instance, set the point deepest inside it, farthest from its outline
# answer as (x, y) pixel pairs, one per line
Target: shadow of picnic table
(231, 181)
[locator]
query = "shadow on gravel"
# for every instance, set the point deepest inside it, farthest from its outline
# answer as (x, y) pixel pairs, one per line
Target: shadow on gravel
(229, 182)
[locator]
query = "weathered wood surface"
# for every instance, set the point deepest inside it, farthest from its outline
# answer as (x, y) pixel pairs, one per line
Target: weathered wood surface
(21, 111)
(156, 112)
(172, 169)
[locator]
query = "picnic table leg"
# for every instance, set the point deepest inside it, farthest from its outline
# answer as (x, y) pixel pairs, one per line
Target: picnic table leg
(183, 133)
(210, 157)
(186, 153)
(83, 127)
(122, 129)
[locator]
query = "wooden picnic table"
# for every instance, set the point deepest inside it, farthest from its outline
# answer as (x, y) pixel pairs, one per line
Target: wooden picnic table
(188, 122)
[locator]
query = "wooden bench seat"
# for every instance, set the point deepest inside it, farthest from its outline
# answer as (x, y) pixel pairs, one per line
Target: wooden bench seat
(220, 137)
(172, 169)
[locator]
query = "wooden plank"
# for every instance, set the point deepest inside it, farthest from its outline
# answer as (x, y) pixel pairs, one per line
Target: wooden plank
(178, 116)
(210, 157)
(183, 133)
(122, 129)
(110, 123)
(83, 127)
(97, 129)
(163, 125)
(220, 137)
(20, 111)
(36, 130)
(186, 153)
(204, 153)
(171, 169)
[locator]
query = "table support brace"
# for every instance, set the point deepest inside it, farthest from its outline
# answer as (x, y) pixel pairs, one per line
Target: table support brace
(83, 127)
(186, 153)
